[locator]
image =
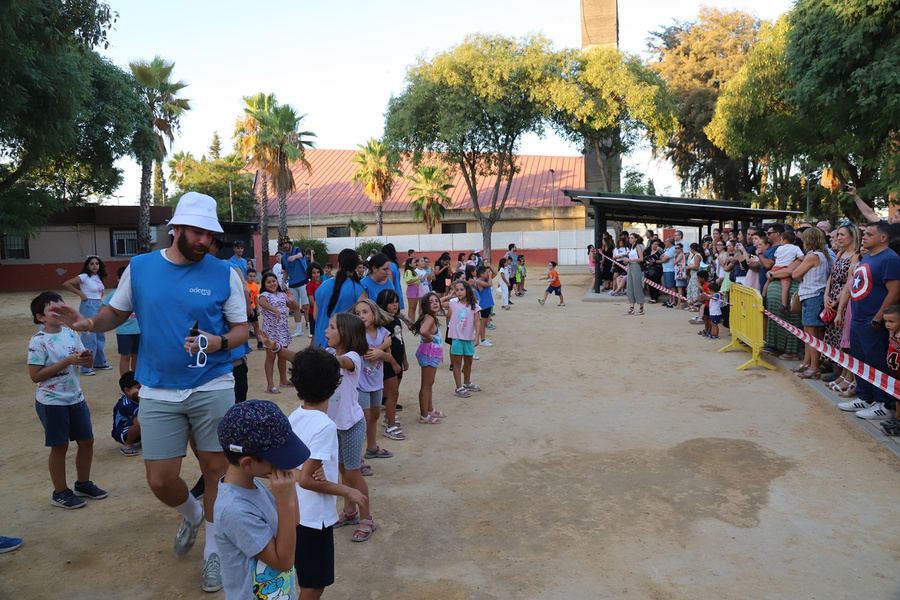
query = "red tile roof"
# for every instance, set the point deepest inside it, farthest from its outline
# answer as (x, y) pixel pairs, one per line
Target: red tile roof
(332, 189)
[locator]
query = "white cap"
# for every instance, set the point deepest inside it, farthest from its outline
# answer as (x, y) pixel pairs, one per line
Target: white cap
(197, 210)
(477, 250)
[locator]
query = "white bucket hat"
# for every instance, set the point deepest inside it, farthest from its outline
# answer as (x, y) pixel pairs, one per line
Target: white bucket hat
(197, 210)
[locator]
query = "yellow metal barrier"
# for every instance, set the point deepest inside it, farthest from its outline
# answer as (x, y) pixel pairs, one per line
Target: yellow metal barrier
(746, 320)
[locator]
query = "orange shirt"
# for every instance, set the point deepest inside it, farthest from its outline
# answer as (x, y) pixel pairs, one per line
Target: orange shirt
(254, 293)
(705, 289)
(554, 278)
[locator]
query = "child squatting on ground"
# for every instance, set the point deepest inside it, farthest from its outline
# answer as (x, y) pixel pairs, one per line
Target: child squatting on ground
(256, 529)
(126, 428)
(54, 357)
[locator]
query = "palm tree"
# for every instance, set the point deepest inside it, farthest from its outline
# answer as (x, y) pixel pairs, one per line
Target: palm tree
(256, 155)
(430, 184)
(178, 166)
(356, 227)
(285, 147)
(160, 96)
(378, 165)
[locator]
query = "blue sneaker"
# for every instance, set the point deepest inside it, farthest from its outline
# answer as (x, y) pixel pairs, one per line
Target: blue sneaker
(87, 489)
(8, 544)
(491, 326)
(67, 500)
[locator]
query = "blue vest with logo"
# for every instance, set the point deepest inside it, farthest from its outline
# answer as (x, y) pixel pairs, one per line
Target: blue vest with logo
(168, 298)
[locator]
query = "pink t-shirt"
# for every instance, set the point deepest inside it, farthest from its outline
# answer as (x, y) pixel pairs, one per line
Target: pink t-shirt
(343, 408)
(371, 377)
(462, 320)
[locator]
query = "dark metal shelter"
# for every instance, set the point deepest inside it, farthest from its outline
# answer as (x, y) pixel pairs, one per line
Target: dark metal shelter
(686, 212)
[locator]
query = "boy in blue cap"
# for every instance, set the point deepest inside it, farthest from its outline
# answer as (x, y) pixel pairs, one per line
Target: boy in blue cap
(256, 529)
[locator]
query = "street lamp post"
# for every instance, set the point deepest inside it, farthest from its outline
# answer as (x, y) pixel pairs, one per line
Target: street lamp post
(309, 208)
(553, 197)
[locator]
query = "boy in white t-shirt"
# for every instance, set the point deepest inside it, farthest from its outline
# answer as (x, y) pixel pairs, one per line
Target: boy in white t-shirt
(785, 255)
(316, 375)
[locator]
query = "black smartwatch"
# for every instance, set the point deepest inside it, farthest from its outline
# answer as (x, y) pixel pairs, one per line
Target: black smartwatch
(224, 342)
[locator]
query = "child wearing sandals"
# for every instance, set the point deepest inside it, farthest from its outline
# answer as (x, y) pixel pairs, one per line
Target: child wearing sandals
(462, 324)
(430, 354)
(389, 302)
(317, 374)
(371, 375)
(275, 304)
(126, 427)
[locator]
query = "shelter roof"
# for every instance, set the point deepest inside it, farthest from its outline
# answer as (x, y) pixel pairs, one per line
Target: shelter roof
(672, 210)
(332, 190)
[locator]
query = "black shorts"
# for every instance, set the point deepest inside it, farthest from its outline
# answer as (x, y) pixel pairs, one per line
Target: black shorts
(314, 557)
(390, 373)
(486, 313)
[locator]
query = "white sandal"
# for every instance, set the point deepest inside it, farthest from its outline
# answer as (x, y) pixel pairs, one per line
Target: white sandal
(394, 433)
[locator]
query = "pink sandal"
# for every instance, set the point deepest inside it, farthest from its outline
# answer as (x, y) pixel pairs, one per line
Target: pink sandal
(365, 534)
(347, 519)
(429, 419)
(437, 414)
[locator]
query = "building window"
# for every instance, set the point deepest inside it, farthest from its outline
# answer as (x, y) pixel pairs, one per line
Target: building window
(124, 242)
(14, 247)
(453, 228)
(334, 232)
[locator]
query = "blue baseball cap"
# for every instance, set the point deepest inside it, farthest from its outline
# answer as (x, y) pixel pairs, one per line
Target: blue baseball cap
(259, 427)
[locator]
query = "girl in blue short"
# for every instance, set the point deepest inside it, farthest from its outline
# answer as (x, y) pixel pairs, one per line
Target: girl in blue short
(89, 285)
(430, 354)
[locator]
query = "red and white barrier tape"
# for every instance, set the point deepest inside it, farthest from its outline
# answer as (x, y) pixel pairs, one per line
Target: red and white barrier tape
(879, 379)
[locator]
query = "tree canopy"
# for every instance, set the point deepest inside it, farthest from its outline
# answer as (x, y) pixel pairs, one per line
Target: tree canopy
(470, 106)
(608, 103)
(212, 176)
(377, 166)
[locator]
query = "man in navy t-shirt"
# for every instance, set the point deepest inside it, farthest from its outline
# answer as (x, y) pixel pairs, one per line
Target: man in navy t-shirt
(293, 260)
(874, 285)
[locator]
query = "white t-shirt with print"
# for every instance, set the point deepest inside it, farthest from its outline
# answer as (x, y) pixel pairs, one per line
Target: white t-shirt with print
(91, 286)
(45, 349)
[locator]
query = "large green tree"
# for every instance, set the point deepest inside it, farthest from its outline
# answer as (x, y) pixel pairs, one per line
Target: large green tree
(696, 60)
(470, 106)
(430, 184)
(843, 60)
(609, 103)
(222, 178)
(164, 110)
(377, 167)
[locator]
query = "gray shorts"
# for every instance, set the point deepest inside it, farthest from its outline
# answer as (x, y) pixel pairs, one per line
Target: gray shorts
(165, 425)
(350, 445)
(300, 296)
(370, 399)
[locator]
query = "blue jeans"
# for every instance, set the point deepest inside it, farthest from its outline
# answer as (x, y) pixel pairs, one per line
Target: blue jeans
(95, 342)
(870, 345)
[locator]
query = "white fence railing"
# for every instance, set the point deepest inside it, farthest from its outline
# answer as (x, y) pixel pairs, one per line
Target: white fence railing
(571, 245)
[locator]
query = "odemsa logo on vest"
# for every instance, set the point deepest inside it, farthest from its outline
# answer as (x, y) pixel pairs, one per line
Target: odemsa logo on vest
(201, 291)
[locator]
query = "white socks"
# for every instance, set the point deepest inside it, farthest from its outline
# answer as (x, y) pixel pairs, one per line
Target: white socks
(210, 546)
(192, 510)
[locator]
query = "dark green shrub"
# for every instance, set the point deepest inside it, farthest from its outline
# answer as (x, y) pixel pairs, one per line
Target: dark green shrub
(320, 250)
(366, 246)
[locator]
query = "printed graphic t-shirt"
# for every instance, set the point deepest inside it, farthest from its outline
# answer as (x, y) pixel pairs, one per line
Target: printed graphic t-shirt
(462, 320)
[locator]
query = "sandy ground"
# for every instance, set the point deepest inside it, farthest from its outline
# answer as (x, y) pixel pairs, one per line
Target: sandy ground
(608, 457)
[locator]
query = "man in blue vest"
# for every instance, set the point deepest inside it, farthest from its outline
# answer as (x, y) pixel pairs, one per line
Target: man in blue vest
(294, 262)
(238, 259)
(194, 312)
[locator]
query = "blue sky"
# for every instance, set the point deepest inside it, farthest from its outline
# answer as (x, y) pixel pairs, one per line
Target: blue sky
(340, 62)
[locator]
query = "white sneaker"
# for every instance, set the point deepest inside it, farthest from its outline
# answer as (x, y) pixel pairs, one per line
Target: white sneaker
(854, 405)
(297, 333)
(877, 411)
(475, 357)
(212, 574)
(486, 343)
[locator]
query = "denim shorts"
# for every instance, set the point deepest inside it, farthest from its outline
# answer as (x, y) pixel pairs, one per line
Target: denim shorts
(370, 399)
(669, 279)
(811, 307)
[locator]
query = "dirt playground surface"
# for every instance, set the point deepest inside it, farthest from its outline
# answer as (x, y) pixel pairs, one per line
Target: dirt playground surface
(607, 457)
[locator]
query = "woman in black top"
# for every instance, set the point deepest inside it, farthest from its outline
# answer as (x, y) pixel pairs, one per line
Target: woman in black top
(654, 268)
(441, 274)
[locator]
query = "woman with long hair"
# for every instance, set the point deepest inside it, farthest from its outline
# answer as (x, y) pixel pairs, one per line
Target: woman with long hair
(391, 252)
(441, 274)
(813, 276)
(337, 294)
(89, 285)
(634, 288)
(837, 329)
